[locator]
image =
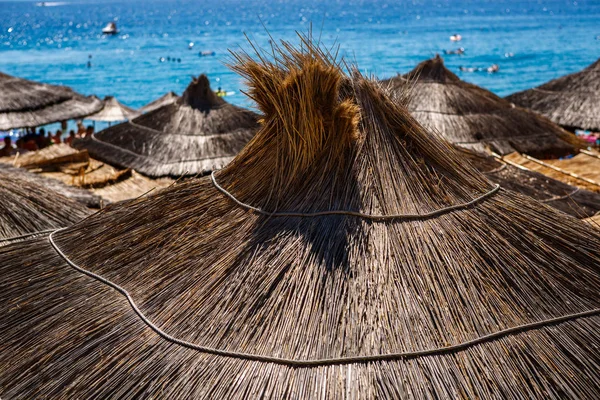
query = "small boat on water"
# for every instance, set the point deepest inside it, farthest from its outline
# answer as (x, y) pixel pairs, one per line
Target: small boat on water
(110, 29)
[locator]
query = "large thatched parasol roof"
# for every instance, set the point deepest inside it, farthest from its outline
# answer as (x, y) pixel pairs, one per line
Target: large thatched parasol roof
(28, 205)
(345, 253)
(113, 110)
(163, 100)
(27, 104)
(572, 101)
(196, 134)
(473, 117)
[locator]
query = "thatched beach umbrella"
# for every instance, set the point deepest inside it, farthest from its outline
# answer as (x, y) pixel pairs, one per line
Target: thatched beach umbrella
(572, 200)
(79, 195)
(473, 117)
(162, 101)
(198, 133)
(27, 104)
(28, 205)
(572, 101)
(113, 111)
(345, 253)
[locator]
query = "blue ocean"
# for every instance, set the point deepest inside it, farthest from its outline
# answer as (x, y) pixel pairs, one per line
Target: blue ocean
(531, 41)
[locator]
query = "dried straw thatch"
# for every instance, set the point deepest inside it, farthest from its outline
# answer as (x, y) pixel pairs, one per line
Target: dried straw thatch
(133, 187)
(582, 170)
(113, 110)
(27, 104)
(162, 101)
(79, 195)
(572, 101)
(476, 118)
(26, 206)
(572, 200)
(330, 305)
(196, 134)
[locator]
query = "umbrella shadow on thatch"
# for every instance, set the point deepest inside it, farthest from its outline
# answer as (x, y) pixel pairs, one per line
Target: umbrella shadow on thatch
(192, 136)
(572, 101)
(475, 118)
(28, 104)
(273, 321)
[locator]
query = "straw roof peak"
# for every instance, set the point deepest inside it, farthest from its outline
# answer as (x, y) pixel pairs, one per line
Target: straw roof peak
(432, 70)
(200, 96)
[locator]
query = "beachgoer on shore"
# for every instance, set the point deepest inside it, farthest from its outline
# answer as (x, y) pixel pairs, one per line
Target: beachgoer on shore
(56, 138)
(70, 138)
(89, 131)
(8, 149)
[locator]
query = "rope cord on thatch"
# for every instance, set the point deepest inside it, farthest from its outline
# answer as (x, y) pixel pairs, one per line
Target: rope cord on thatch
(496, 139)
(431, 214)
(562, 171)
(327, 361)
(500, 168)
(566, 196)
(589, 153)
(149, 129)
(28, 235)
(150, 158)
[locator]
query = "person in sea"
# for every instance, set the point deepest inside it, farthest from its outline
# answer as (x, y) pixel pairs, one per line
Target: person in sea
(220, 92)
(69, 139)
(8, 149)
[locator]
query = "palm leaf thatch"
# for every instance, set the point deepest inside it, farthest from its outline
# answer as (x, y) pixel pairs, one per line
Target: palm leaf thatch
(475, 118)
(198, 133)
(572, 101)
(572, 200)
(79, 195)
(112, 110)
(162, 101)
(29, 205)
(27, 104)
(244, 303)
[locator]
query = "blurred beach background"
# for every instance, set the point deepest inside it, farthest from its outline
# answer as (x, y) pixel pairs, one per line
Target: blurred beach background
(531, 41)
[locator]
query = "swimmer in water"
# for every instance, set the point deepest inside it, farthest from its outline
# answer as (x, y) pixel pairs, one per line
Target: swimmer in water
(493, 69)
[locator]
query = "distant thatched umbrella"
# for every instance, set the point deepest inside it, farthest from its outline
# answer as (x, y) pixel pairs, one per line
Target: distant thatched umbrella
(113, 111)
(196, 134)
(572, 200)
(162, 101)
(79, 195)
(28, 205)
(476, 118)
(27, 104)
(345, 253)
(572, 101)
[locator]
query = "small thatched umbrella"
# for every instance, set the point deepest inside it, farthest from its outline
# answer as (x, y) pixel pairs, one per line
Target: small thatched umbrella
(79, 195)
(572, 200)
(475, 118)
(28, 205)
(162, 101)
(572, 101)
(27, 104)
(198, 133)
(113, 111)
(345, 253)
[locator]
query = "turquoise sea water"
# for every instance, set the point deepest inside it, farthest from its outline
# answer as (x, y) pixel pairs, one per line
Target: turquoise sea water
(548, 38)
